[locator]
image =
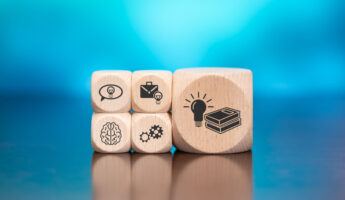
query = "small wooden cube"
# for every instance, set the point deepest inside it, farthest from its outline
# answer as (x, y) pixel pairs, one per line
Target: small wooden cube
(111, 91)
(213, 110)
(111, 176)
(151, 91)
(151, 176)
(111, 132)
(151, 132)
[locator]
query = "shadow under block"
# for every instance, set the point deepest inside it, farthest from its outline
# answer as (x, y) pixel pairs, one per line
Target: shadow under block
(151, 176)
(151, 132)
(111, 176)
(227, 176)
(213, 110)
(111, 132)
(111, 91)
(151, 91)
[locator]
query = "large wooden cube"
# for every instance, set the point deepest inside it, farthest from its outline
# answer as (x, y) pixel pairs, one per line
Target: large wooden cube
(213, 110)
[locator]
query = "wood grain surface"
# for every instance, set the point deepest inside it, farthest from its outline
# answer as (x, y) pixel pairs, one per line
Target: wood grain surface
(151, 132)
(148, 82)
(111, 132)
(213, 110)
(111, 91)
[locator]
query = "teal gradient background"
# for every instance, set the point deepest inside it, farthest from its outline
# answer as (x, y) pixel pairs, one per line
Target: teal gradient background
(294, 48)
(49, 49)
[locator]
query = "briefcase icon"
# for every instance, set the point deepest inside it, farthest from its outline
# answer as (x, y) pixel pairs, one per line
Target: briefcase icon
(148, 90)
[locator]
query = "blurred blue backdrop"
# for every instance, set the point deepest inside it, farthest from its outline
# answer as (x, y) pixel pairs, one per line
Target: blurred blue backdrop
(50, 48)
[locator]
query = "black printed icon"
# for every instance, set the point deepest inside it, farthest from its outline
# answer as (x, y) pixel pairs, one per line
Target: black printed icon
(144, 137)
(110, 91)
(222, 120)
(155, 132)
(111, 133)
(198, 107)
(150, 90)
(158, 96)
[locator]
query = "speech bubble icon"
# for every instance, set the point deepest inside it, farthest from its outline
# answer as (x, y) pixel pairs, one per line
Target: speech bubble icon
(110, 91)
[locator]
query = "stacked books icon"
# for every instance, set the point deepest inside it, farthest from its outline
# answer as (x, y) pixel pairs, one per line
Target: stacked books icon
(222, 120)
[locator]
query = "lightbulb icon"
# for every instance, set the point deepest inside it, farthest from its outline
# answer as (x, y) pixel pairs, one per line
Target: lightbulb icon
(158, 96)
(110, 91)
(198, 107)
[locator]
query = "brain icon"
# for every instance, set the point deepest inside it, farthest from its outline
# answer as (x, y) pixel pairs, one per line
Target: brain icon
(111, 133)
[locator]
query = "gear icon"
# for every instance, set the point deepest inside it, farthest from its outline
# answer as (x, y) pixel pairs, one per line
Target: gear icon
(156, 132)
(144, 137)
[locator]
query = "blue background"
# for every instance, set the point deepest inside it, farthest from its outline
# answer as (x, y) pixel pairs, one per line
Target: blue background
(294, 48)
(49, 49)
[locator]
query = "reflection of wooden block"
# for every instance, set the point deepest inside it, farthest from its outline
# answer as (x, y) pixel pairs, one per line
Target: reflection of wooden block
(202, 177)
(151, 132)
(110, 133)
(151, 91)
(213, 110)
(111, 91)
(151, 176)
(111, 176)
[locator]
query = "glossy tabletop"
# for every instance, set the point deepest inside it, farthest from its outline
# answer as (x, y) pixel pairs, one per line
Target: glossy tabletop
(298, 153)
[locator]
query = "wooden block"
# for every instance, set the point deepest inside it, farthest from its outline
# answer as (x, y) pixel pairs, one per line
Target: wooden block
(213, 110)
(151, 91)
(151, 176)
(111, 176)
(151, 132)
(202, 177)
(111, 91)
(111, 132)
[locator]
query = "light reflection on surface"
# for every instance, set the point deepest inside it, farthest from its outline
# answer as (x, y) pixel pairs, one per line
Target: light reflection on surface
(164, 176)
(212, 176)
(151, 176)
(111, 176)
